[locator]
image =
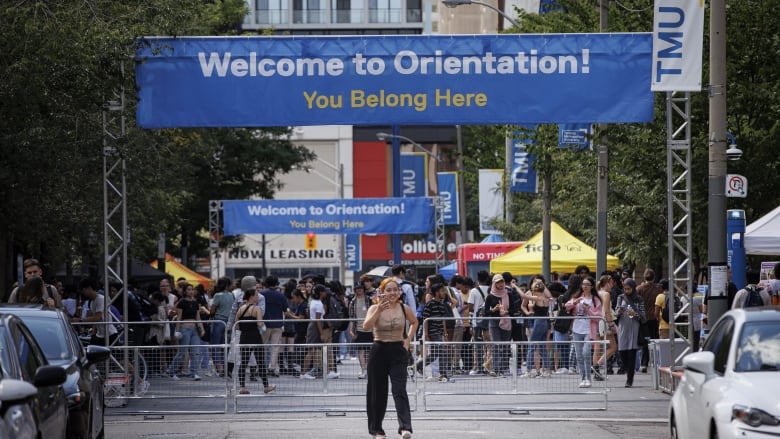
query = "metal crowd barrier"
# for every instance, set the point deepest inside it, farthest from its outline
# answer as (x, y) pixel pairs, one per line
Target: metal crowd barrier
(157, 392)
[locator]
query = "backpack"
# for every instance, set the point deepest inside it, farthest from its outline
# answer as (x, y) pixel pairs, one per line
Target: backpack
(148, 309)
(563, 325)
(337, 315)
(667, 309)
(480, 321)
(753, 297)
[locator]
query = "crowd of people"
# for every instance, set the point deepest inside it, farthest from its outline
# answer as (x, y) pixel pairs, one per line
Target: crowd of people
(579, 324)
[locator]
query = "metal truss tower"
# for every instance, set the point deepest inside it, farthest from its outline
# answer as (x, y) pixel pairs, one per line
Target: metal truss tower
(678, 183)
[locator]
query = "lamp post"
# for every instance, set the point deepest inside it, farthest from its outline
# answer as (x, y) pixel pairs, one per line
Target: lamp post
(388, 136)
(395, 138)
(456, 3)
(717, 303)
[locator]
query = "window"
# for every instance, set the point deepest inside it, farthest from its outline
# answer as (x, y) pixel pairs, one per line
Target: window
(719, 343)
(307, 11)
(347, 11)
(29, 357)
(759, 347)
(384, 11)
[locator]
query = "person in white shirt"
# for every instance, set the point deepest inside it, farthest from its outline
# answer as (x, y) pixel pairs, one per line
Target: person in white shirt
(479, 329)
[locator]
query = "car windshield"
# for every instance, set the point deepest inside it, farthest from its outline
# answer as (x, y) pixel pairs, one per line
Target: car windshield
(50, 335)
(759, 347)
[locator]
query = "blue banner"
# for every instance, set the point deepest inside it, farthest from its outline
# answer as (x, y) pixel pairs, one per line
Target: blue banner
(448, 195)
(393, 80)
(413, 181)
(523, 177)
(353, 252)
(340, 216)
(574, 135)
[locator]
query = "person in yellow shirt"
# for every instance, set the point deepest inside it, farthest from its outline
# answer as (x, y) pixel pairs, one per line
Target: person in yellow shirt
(660, 302)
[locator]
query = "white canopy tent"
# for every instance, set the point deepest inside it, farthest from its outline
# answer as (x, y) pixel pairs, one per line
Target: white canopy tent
(762, 237)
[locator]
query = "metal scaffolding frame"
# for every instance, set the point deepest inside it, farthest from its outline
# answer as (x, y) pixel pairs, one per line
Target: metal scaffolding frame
(441, 241)
(115, 230)
(215, 232)
(678, 180)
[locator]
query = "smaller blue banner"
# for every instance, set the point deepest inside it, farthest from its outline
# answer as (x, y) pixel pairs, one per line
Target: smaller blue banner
(523, 176)
(413, 175)
(339, 216)
(353, 252)
(574, 135)
(448, 195)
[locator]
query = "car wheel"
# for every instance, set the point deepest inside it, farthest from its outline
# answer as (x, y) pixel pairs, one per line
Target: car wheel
(673, 433)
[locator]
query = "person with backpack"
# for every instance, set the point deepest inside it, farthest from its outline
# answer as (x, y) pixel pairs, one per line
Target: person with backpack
(752, 295)
(479, 325)
(32, 269)
(562, 324)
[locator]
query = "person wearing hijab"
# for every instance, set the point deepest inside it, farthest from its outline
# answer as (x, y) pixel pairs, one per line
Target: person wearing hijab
(630, 315)
(498, 306)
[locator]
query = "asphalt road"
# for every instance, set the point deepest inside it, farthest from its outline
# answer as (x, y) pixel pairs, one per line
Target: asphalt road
(638, 412)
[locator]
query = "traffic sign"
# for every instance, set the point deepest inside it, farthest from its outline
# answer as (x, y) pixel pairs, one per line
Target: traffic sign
(736, 186)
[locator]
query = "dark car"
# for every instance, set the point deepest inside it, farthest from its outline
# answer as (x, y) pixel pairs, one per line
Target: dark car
(62, 347)
(32, 400)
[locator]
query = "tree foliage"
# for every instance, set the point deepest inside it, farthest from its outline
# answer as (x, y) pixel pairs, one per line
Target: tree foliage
(637, 212)
(62, 61)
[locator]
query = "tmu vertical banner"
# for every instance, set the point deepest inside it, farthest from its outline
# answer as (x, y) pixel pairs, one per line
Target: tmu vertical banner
(448, 195)
(523, 177)
(491, 199)
(413, 181)
(353, 252)
(678, 33)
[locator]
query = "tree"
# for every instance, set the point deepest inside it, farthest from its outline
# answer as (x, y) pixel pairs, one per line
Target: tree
(61, 62)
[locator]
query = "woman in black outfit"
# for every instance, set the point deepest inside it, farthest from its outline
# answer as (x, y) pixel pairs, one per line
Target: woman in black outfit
(250, 322)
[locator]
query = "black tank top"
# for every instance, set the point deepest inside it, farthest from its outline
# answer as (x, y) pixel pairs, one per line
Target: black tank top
(249, 329)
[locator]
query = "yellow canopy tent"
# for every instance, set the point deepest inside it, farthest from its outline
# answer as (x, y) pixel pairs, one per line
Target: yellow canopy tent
(178, 270)
(566, 253)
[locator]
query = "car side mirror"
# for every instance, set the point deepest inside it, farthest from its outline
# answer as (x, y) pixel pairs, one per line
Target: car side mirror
(16, 390)
(47, 376)
(97, 354)
(700, 362)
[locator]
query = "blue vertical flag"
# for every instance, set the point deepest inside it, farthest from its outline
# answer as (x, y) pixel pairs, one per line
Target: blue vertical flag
(574, 135)
(448, 194)
(413, 181)
(523, 176)
(353, 252)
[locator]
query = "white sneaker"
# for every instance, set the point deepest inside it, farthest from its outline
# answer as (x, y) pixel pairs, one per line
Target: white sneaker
(587, 384)
(362, 375)
(582, 384)
(406, 434)
(531, 374)
(196, 377)
(333, 375)
(473, 372)
(175, 377)
(561, 371)
(308, 376)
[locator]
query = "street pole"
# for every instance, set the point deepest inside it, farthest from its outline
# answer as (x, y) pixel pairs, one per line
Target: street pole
(717, 303)
(546, 219)
(461, 186)
(396, 148)
(508, 180)
(602, 176)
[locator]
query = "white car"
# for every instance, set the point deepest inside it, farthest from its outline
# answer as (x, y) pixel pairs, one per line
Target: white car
(731, 389)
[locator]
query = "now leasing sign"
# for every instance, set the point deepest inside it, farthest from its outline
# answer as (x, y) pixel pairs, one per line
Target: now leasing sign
(397, 80)
(678, 32)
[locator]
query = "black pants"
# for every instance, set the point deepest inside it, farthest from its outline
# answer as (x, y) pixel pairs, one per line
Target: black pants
(629, 364)
(387, 360)
(652, 331)
(259, 353)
